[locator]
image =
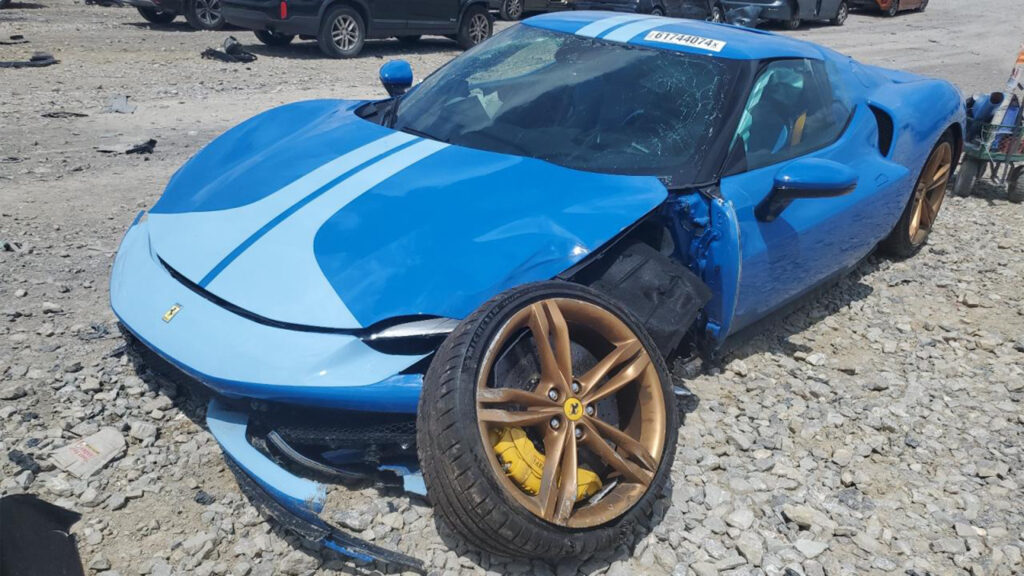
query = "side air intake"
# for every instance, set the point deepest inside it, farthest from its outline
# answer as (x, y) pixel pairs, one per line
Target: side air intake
(885, 130)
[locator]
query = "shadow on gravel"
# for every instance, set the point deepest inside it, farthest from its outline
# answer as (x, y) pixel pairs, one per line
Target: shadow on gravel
(989, 191)
(380, 49)
(24, 6)
(178, 25)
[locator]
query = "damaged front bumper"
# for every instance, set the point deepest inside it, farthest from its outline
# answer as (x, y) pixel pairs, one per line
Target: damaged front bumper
(294, 502)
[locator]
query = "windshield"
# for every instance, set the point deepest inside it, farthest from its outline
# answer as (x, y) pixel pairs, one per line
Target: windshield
(578, 102)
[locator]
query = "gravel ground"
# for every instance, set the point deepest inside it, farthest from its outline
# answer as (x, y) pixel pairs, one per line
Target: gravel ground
(875, 429)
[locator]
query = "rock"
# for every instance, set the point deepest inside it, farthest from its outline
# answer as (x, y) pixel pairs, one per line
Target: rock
(810, 548)
(99, 563)
(740, 441)
(203, 499)
(143, 430)
(806, 517)
(740, 518)
(90, 384)
(298, 562)
(12, 392)
(117, 501)
(842, 457)
(704, 569)
(949, 546)
(750, 546)
(357, 520)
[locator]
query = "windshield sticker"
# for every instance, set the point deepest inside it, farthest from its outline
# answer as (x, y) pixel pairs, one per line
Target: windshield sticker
(685, 40)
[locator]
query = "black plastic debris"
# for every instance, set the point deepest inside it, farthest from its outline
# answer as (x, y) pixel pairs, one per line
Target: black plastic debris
(119, 105)
(35, 538)
(38, 60)
(233, 51)
(144, 148)
(203, 498)
(14, 39)
(23, 461)
(11, 160)
(64, 114)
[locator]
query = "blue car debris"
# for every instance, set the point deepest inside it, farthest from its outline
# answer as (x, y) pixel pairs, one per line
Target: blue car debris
(469, 289)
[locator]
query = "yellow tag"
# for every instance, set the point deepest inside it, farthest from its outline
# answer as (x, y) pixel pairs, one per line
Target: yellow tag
(172, 312)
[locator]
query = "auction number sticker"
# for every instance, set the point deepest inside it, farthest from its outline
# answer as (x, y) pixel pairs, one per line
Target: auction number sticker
(685, 40)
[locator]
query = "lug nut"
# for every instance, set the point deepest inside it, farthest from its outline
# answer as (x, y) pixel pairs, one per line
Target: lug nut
(579, 433)
(576, 387)
(555, 423)
(590, 410)
(553, 394)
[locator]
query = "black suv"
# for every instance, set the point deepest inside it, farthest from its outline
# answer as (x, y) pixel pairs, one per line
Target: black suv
(696, 9)
(342, 26)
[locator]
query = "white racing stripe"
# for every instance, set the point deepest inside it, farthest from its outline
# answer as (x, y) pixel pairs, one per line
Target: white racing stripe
(603, 25)
(626, 33)
(291, 285)
(195, 242)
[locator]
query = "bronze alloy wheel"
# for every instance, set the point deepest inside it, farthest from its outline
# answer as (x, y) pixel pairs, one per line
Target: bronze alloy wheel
(930, 192)
(596, 410)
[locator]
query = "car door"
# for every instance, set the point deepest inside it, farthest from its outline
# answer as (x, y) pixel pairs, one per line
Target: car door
(794, 111)
(389, 17)
(432, 16)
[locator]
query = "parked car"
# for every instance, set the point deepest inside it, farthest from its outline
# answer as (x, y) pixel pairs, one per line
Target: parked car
(792, 13)
(200, 14)
(696, 9)
(341, 27)
(891, 7)
(485, 273)
(516, 9)
(4, 3)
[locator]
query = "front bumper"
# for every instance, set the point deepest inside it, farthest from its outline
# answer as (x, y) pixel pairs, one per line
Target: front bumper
(260, 18)
(767, 9)
(238, 357)
(294, 502)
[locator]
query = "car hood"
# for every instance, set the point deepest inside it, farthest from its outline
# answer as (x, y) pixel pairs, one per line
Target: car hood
(308, 214)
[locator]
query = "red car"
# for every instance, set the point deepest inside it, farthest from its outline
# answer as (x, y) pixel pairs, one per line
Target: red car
(891, 7)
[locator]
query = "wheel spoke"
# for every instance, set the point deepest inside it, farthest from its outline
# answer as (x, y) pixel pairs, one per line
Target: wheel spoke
(624, 442)
(550, 368)
(511, 396)
(566, 480)
(554, 445)
(620, 354)
(517, 418)
(927, 213)
(941, 176)
(602, 450)
(621, 379)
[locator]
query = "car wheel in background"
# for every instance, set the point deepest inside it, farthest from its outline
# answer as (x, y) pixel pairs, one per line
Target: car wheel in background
(1015, 189)
(204, 14)
(274, 38)
(156, 16)
(894, 8)
(342, 33)
(547, 424)
(4, 3)
(923, 6)
(475, 27)
(716, 15)
(967, 175)
(841, 15)
(657, 11)
(918, 219)
(511, 9)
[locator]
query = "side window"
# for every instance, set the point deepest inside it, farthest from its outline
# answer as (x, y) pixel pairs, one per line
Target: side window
(792, 110)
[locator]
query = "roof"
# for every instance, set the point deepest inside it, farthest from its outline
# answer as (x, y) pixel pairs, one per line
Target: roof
(691, 36)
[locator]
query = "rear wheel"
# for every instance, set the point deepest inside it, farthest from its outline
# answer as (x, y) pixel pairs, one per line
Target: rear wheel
(841, 15)
(923, 6)
(156, 16)
(1015, 190)
(919, 217)
(342, 33)
(894, 8)
(547, 424)
(716, 14)
(474, 28)
(511, 10)
(274, 38)
(970, 169)
(204, 14)
(657, 11)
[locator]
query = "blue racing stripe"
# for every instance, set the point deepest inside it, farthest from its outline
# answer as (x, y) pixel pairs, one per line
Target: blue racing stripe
(263, 230)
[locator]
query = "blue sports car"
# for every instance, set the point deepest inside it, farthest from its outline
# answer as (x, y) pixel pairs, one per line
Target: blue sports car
(470, 287)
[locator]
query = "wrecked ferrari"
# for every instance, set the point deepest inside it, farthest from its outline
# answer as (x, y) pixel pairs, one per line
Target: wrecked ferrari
(470, 288)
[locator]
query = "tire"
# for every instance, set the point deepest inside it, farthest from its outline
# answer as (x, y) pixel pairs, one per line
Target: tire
(204, 14)
(410, 39)
(1014, 189)
(274, 38)
(463, 476)
(475, 27)
(894, 9)
(906, 238)
(657, 11)
(841, 15)
(342, 33)
(4, 3)
(716, 15)
(154, 16)
(923, 6)
(511, 10)
(967, 176)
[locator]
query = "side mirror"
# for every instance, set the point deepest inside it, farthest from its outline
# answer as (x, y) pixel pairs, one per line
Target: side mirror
(396, 76)
(806, 178)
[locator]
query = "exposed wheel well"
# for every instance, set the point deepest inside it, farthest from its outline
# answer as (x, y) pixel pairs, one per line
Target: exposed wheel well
(957, 131)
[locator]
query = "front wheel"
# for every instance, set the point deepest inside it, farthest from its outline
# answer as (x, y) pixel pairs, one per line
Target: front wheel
(475, 27)
(716, 14)
(511, 10)
(923, 6)
(155, 16)
(342, 33)
(657, 11)
(547, 424)
(204, 14)
(841, 15)
(793, 23)
(918, 219)
(970, 169)
(894, 9)
(274, 38)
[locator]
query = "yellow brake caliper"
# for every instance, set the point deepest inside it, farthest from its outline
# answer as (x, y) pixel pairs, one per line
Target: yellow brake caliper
(524, 464)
